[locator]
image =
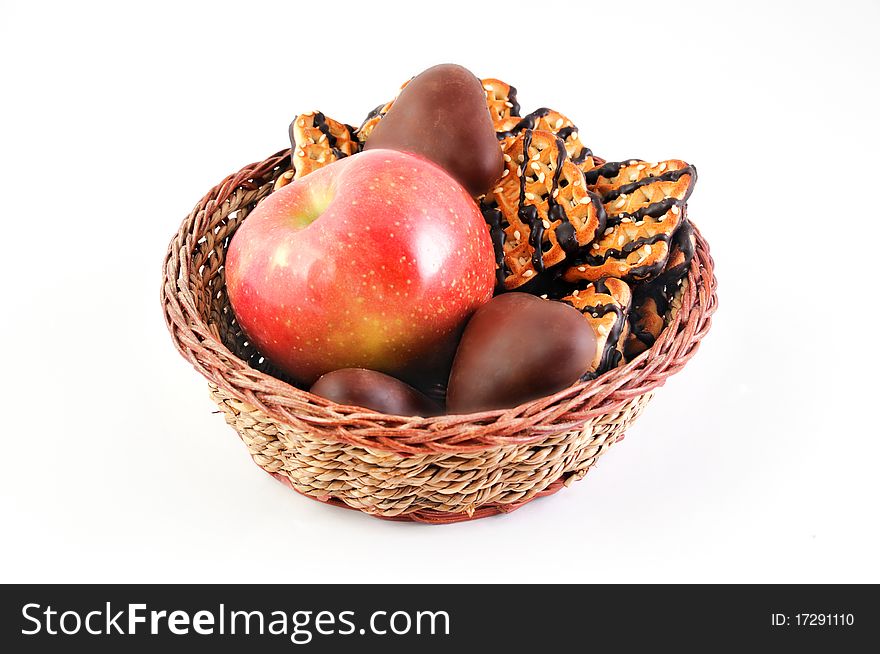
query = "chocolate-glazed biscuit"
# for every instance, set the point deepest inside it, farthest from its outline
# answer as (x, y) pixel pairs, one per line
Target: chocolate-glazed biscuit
(501, 100)
(556, 123)
(316, 141)
(540, 212)
(684, 245)
(653, 301)
(371, 121)
(605, 304)
(644, 204)
(442, 115)
(646, 323)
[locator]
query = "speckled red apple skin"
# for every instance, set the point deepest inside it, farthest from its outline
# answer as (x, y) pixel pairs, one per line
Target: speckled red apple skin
(384, 278)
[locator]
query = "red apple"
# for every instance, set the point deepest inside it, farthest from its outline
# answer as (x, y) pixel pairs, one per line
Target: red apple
(375, 261)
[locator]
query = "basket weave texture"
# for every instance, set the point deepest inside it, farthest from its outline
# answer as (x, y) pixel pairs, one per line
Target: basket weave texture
(441, 469)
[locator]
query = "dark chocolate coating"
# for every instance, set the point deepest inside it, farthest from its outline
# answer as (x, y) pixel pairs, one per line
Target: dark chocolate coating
(374, 390)
(442, 115)
(516, 348)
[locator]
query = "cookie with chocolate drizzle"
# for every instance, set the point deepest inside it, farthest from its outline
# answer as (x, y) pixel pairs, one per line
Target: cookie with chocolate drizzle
(504, 108)
(605, 304)
(541, 212)
(654, 301)
(556, 123)
(371, 121)
(684, 245)
(646, 323)
(644, 204)
(501, 100)
(316, 141)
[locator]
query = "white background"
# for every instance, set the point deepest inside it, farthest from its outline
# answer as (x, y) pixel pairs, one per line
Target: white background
(758, 462)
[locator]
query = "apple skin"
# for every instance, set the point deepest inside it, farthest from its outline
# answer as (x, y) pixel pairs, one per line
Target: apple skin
(375, 261)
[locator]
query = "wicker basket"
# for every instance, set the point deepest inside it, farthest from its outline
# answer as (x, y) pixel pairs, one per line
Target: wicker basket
(442, 469)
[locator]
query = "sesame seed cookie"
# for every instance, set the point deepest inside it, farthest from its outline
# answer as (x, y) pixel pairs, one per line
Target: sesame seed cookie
(644, 204)
(540, 212)
(315, 141)
(654, 301)
(556, 123)
(605, 304)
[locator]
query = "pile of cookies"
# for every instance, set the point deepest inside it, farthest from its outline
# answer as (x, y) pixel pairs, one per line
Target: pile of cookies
(610, 239)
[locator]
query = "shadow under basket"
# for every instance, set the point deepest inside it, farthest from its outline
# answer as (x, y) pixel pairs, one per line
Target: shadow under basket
(437, 470)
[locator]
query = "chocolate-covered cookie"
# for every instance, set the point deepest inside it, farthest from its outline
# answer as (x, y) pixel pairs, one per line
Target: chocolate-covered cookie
(644, 205)
(374, 390)
(646, 323)
(684, 245)
(548, 120)
(516, 348)
(605, 305)
(442, 115)
(502, 103)
(653, 301)
(316, 141)
(540, 213)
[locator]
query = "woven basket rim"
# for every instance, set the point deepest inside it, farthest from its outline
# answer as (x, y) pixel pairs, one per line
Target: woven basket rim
(195, 339)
